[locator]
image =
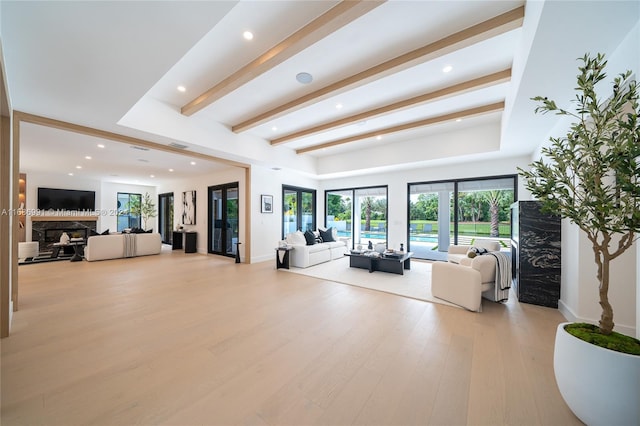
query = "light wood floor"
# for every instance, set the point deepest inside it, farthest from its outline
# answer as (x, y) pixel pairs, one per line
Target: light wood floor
(188, 339)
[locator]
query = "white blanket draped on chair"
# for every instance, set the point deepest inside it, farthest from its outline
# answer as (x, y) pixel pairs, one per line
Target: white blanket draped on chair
(129, 245)
(503, 275)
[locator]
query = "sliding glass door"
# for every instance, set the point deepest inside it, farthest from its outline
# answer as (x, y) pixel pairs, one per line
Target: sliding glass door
(223, 219)
(359, 214)
(458, 212)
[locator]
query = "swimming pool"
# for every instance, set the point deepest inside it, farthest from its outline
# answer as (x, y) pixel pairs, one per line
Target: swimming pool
(381, 236)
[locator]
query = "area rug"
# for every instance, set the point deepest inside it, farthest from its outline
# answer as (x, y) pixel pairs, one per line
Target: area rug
(42, 259)
(415, 283)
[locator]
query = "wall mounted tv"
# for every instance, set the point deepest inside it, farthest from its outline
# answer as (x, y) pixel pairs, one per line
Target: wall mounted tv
(66, 199)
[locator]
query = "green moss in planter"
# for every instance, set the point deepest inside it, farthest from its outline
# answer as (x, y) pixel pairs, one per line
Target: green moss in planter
(615, 341)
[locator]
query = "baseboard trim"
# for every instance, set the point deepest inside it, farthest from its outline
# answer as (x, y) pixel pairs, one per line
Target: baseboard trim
(572, 317)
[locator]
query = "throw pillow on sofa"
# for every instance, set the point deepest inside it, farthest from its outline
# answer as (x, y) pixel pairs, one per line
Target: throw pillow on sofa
(296, 238)
(476, 251)
(326, 234)
(310, 237)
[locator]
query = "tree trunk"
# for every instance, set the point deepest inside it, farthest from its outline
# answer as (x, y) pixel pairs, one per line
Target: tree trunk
(606, 319)
(495, 220)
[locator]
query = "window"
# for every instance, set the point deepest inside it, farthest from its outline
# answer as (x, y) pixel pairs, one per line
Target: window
(128, 210)
(298, 209)
(368, 207)
(458, 212)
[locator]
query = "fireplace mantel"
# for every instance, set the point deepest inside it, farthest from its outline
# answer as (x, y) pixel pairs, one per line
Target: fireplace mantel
(63, 218)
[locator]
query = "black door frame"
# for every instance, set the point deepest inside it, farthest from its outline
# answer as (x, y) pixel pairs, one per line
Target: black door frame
(165, 232)
(210, 226)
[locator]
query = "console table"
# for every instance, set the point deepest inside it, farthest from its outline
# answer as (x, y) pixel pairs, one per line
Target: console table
(186, 239)
(391, 264)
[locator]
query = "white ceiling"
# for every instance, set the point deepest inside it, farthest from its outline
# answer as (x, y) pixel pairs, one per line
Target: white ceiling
(115, 66)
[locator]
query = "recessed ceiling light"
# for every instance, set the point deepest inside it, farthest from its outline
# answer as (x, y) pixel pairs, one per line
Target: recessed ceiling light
(170, 170)
(448, 68)
(379, 137)
(182, 89)
(458, 120)
(248, 35)
(338, 106)
(100, 145)
(304, 78)
(78, 167)
(193, 163)
(70, 174)
(87, 157)
(152, 176)
(274, 128)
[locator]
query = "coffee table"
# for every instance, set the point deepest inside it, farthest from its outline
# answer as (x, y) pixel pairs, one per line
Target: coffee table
(391, 264)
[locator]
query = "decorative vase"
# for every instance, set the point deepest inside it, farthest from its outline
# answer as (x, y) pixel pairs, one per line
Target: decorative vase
(600, 386)
(380, 247)
(370, 246)
(64, 238)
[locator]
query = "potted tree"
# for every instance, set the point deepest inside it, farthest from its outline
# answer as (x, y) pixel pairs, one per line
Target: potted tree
(145, 208)
(592, 177)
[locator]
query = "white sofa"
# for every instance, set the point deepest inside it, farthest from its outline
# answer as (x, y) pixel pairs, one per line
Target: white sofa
(303, 255)
(116, 246)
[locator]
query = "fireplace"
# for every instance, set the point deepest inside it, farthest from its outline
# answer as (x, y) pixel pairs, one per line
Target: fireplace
(48, 231)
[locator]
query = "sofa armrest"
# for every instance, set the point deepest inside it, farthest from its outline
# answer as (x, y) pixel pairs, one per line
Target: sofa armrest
(457, 284)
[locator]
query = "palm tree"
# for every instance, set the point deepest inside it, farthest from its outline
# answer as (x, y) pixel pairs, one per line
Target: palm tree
(367, 204)
(494, 198)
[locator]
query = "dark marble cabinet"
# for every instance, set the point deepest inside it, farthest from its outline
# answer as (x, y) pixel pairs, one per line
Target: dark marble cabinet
(535, 254)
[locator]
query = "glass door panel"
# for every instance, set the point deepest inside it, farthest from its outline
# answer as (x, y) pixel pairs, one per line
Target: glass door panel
(338, 205)
(224, 219)
(165, 217)
(370, 207)
(290, 211)
(308, 222)
(430, 219)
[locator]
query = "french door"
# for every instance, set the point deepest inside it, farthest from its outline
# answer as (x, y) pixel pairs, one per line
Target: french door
(223, 219)
(165, 217)
(298, 209)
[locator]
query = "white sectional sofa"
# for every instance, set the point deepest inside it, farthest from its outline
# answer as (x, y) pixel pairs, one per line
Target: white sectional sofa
(304, 255)
(116, 246)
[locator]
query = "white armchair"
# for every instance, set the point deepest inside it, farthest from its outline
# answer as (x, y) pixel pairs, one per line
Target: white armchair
(458, 254)
(465, 285)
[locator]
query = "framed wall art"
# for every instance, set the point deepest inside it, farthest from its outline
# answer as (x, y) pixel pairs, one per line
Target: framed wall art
(189, 208)
(266, 204)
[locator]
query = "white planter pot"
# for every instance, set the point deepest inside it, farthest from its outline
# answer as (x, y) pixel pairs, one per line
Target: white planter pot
(600, 386)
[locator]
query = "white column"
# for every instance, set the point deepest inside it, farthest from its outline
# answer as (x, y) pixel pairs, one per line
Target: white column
(444, 212)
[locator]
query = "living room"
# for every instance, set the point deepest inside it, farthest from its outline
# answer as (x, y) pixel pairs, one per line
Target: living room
(495, 143)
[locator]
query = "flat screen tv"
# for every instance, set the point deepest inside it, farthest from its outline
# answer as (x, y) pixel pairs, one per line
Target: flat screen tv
(66, 199)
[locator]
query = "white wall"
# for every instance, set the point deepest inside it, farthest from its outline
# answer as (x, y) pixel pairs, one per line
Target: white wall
(200, 184)
(266, 229)
(579, 294)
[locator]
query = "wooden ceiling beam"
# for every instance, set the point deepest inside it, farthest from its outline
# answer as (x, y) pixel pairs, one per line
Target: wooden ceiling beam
(467, 37)
(326, 24)
(89, 131)
(498, 106)
(457, 89)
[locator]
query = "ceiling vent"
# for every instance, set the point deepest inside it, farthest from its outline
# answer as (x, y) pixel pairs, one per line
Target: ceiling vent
(177, 145)
(139, 148)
